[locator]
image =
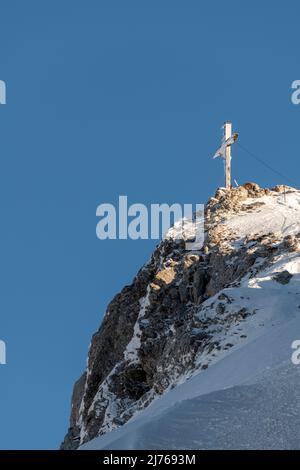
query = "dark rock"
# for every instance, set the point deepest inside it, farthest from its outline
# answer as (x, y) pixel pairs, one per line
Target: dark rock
(283, 277)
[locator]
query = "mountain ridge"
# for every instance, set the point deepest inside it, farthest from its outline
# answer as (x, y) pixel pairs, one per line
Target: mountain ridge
(185, 311)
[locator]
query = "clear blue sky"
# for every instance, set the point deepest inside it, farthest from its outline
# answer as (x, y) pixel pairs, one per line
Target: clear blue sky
(107, 98)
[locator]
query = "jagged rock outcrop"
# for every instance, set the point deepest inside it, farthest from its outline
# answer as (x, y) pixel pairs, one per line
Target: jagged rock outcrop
(160, 329)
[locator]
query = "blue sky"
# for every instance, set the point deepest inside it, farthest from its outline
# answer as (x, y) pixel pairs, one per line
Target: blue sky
(107, 98)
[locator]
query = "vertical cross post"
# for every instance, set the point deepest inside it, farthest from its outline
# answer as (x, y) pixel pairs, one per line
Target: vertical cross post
(227, 162)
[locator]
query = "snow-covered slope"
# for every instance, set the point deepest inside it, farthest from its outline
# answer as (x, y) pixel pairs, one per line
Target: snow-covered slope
(227, 407)
(224, 376)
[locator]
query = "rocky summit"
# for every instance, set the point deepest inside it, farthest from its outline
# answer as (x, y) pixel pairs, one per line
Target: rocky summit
(186, 312)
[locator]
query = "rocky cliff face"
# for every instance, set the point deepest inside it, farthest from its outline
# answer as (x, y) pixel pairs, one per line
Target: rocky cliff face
(161, 330)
